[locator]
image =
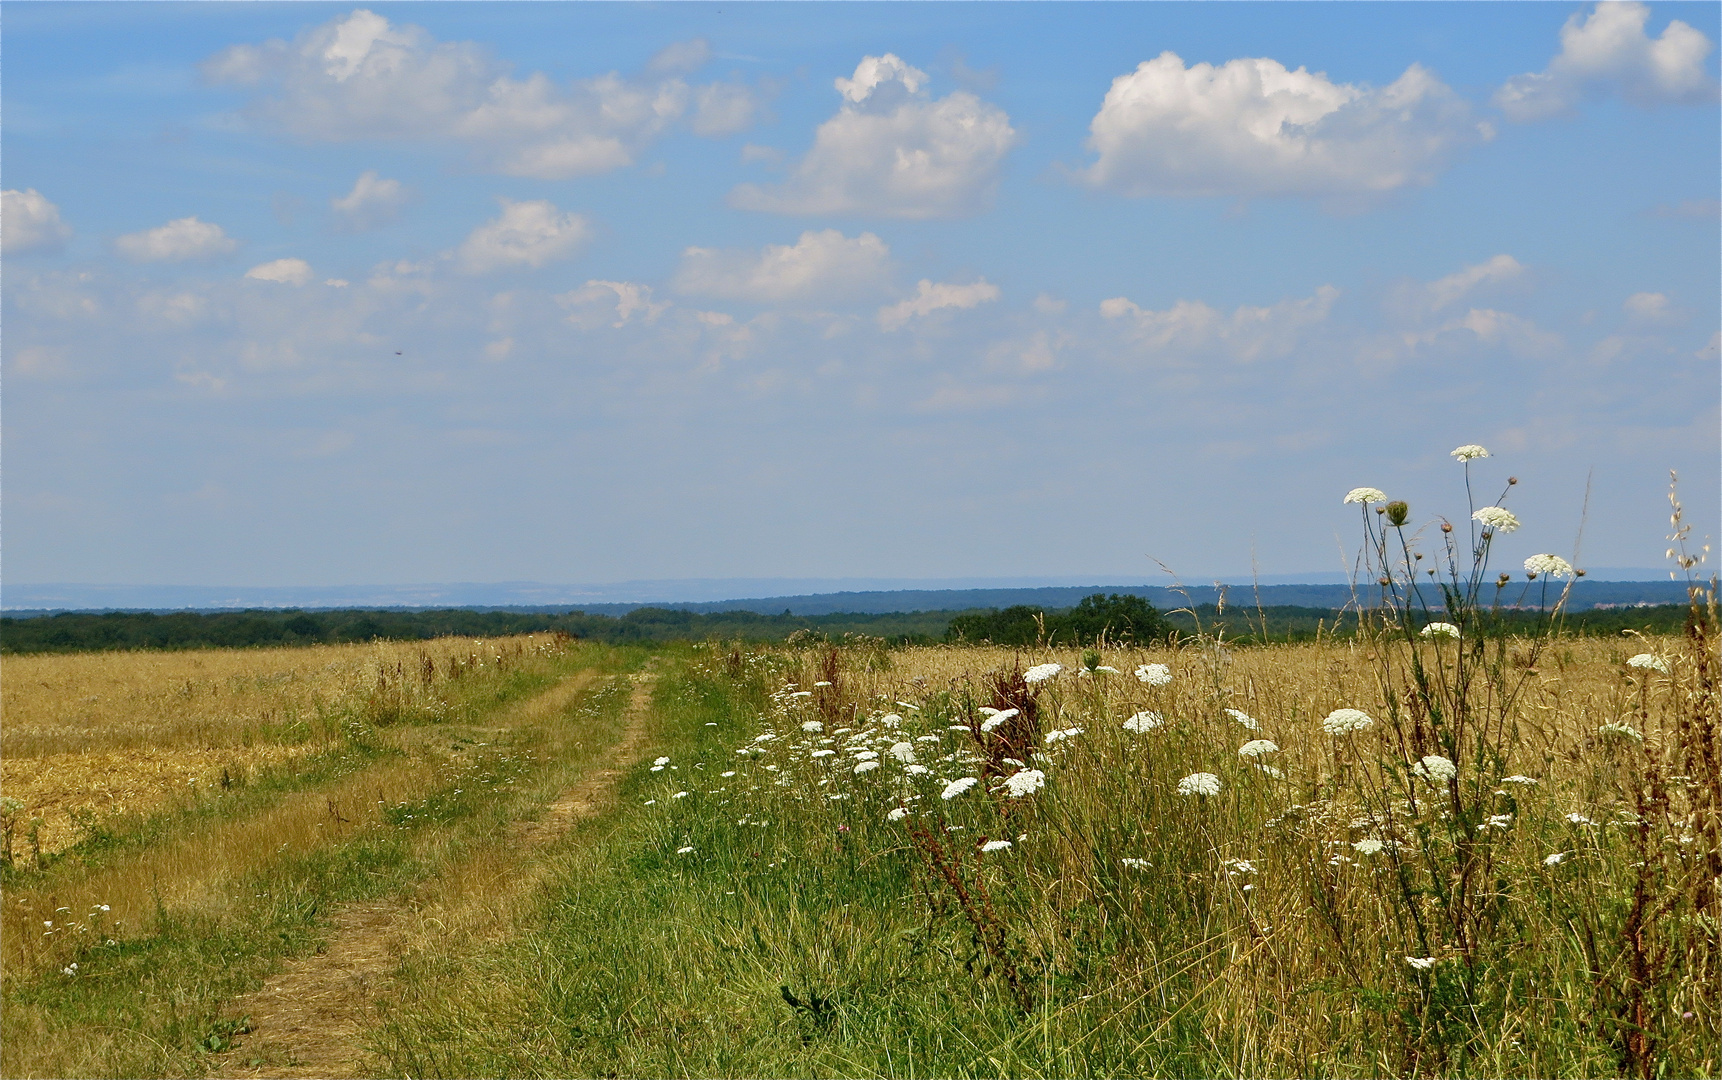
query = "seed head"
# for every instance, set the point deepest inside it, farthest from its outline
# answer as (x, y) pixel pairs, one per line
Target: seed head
(1446, 526)
(1398, 512)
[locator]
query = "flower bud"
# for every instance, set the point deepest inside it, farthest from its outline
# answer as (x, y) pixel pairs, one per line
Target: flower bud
(1446, 526)
(1398, 512)
(1511, 480)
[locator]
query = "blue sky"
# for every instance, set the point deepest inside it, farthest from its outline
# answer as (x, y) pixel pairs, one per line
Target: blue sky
(315, 294)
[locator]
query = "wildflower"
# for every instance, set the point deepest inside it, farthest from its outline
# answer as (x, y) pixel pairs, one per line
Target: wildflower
(1549, 566)
(1346, 721)
(1108, 670)
(906, 705)
(927, 738)
(1135, 864)
(821, 684)
(904, 752)
(71, 970)
(679, 795)
(1202, 783)
(1516, 779)
(1143, 722)
(1580, 819)
(1154, 674)
(957, 787)
(1435, 769)
(823, 753)
(1026, 782)
(1244, 720)
(1648, 662)
(996, 719)
(1440, 630)
(994, 845)
(865, 766)
(866, 755)
(891, 720)
(915, 770)
(683, 850)
(1554, 860)
(1041, 672)
(1496, 517)
(1240, 866)
(1365, 495)
(1369, 845)
(657, 768)
(1496, 821)
(767, 737)
(1258, 747)
(727, 775)
(1613, 730)
(661, 761)
(1270, 770)
(813, 726)
(1469, 452)
(651, 802)
(1058, 735)
(1421, 963)
(898, 814)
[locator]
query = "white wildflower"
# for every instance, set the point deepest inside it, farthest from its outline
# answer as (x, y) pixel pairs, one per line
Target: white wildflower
(927, 738)
(1270, 770)
(1365, 495)
(802, 693)
(1244, 719)
(1202, 783)
(906, 705)
(1026, 782)
(1469, 452)
(891, 720)
(823, 753)
(727, 775)
(996, 718)
(1580, 819)
(1258, 747)
(957, 787)
(898, 814)
(1369, 845)
(1552, 566)
(1421, 963)
(657, 768)
(994, 845)
(1041, 672)
(662, 761)
(1516, 779)
(865, 766)
(1058, 735)
(1648, 662)
(1135, 864)
(1435, 769)
(866, 755)
(904, 752)
(1498, 518)
(1108, 670)
(821, 684)
(679, 795)
(1440, 630)
(1154, 674)
(1554, 860)
(915, 770)
(1240, 866)
(1614, 730)
(1143, 722)
(1496, 821)
(1346, 721)
(767, 737)
(683, 850)
(813, 726)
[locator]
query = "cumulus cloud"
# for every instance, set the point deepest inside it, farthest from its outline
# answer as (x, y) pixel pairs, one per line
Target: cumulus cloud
(1250, 127)
(1606, 51)
(178, 240)
(295, 272)
(29, 222)
(820, 265)
(360, 76)
(612, 303)
(1649, 307)
(373, 202)
(526, 235)
(1423, 299)
(1191, 328)
(930, 297)
(893, 150)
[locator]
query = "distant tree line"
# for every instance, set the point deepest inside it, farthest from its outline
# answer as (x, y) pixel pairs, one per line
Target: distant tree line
(1114, 618)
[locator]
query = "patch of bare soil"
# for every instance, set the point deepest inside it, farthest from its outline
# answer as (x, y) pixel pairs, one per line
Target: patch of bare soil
(310, 1019)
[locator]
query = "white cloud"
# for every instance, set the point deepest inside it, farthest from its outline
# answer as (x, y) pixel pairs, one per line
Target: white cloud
(1191, 328)
(1251, 127)
(295, 272)
(930, 297)
(527, 234)
(178, 240)
(615, 303)
(819, 265)
(29, 222)
(894, 150)
(1449, 290)
(1609, 50)
(359, 76)
(373, 202)
(1649, 307)
(1504, 328)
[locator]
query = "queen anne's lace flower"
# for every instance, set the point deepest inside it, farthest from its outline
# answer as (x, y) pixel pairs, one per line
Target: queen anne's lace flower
(1421, 963)
(1440, 630)
(1365, 495)
(1026, 782)
(898, 814)
(1549, 566)
(996, 719)
(994, 845)
(904, 752)
(1498, 518)
(1202, 783)
(1648, 662)
(1134, 864)
(1554, 860)
(1516, 779)
(1469, 452)
(683, 850)
(1258, 747)
(1244, 719)
(1060, 735)
(1613, 730)
(1154, 674)
(1346, 721)
(1369, 846)
(1143, 722)
(957, 787)
(813, 726)
(1041, 672)
(865, 766)
(1436, 769)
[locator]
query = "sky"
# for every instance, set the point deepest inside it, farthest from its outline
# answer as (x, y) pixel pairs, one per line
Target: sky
(313, 294)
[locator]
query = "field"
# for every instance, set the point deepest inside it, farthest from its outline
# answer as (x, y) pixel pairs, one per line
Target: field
(533, 856)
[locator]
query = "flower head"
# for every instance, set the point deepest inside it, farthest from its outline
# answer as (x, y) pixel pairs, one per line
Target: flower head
(1648, 662)
(1421, 963)
(1469, 452)
(1369, 846)
(1143, 722)
(1435, 769)
(865, 766)
(1549, 566)
(1517, 779)
(684, 850)
(997, 718)
(994, 845)
(1440, 630)
(1614, 730)
(1365, 495)
(904, 752)
(813, 726)
(898, 814)
(1202, 783)
(1498, 518)
(1346, 721)
(1154, 674)
(1244, 720)
(662, 761)
(1059, 735)
(1025, 782)
(957, 787)
(1555, 859)
(1041, 672)
(1258, 747)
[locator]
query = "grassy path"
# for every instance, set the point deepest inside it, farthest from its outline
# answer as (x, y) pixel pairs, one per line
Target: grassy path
(310, 1020)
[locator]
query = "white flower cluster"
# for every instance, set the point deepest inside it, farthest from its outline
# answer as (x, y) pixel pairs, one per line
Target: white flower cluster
(1552, 566)
(1154, 674)
(1346, 721)
(1258, 747)
(1025, 782)
(1435, 769)
(1440, 630)
(1041, 672)
(1616, 730)
(1143, 722)
(1202, 783)
(1648, 662)
(1498, 518)
(1244, 719)
(1469, 452)
(1365, 495)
